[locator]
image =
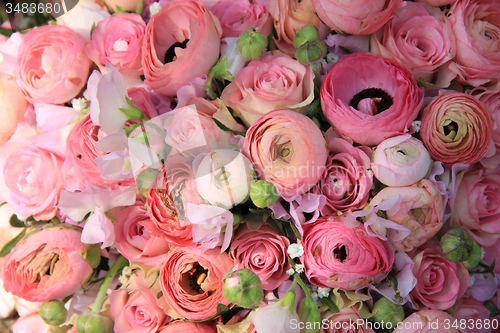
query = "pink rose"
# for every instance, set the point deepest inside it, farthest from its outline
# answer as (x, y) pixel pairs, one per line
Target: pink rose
(476, 27)
(440, 282)
(186, 326)
(346, 320)
(336, 256)
(174, 54)
(46, 70)
(269, 83)
(421, 211)
(473, 312)
(263, 251)
(192, 283)
(456, 128)
(370, 98)
(359, 17)
(288, 150)
(151, 103)
(47, 265)
(427, 321)
(347, 180)
(13, 106)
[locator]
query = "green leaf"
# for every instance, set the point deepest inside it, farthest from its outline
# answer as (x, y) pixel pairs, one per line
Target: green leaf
(227, 129)
(140, 7)
(309, 313)
(10, 245)
(92, 30)
(312, 108)
(221, 308)
(422, 83)
(16, 222)
(330, 304)
(6, 32)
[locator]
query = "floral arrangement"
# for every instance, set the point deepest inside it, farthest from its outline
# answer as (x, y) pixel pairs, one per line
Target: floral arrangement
(262, 166)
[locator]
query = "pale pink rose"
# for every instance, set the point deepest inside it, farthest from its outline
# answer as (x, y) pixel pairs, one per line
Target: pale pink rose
(173, 54)
(31, 323)
(263, 251)
(428, 321)
(336, 256)
(418, 40)
(440, 283)
(30, 274)
(359, 17)
(401, 161)
(272, 82)
(288, 150)
(456, 128)
(238, 16)
(477, 205)
(13, 106)
(420, 210)
(46, 71)
(136, 311)
(192, 283)
(476, 28)
(473, 311)
(346, 320)
(370, 98)
(128, 5)
(347, 180)
(186, 326)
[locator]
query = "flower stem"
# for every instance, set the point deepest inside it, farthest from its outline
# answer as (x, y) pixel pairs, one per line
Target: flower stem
(117, 265)
(297, 279)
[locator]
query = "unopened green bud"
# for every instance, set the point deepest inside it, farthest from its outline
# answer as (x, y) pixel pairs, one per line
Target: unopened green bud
(309, 33)
(475, 257)
(53, 312)
(388, 312)
(132, 112)
(263, 194)
(90, 322)
(251, 44)
(244, 288)
(93, 255)
(311, 52)
(457, 245)
(145, 181)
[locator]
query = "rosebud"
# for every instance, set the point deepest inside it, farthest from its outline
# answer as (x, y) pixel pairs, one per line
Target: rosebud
(475, 257)
(311, 52)
(263, 194)
(388, 312)
(457, 245)
(252, 44)
(53, 312)
(309, 33)
(90, 322)
(244, 288)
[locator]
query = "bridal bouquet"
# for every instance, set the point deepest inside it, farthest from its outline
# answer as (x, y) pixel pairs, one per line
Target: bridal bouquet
(234, 166)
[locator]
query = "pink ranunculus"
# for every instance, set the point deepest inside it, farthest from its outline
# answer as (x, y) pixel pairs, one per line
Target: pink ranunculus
(52, 65)
(476, 28)
(428, 321)
(13, 106)
(187, 326)
(439, 3)
(182, 41)
(440, 283)
(340, 257)
(370, 98)
(473, 311)
(346, 320)
(263, 251)
(47, 265)
(347, 180)
(456, 128)
(477, 205)
(418, 40)
(401, 161)
(137, 311)
(288, 150)
(421, 211)
(192, 283)
(359, 17)
(238, 16)
(272, 82)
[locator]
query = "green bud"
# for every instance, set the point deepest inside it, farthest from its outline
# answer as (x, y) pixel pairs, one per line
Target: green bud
(252, 44)
(90, 322)
(53, 312)
(309, 33)
(244, 288)
(475, 257)
(310, 52)
(457, 245)
(263, 194)
(132, 112)
(93, 255)
(145, 181)
(388, 312)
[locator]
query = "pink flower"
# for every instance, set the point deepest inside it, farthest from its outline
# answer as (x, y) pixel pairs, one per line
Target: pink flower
(473, 311)
(52, 65)
(370, 98)
(47, 265)
(346, 320)
(31, 323)
(440, 283)
(186, 326)
(269, 83)
(427, 321)
(13, 106)
(340, 257)
(288, 150)
(173, 54)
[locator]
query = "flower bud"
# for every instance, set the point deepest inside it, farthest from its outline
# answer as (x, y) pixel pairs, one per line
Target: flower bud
(252, 44)
(244, 288)
(53, 312)
(475, 257)
(457, 245)
(311, 52)
(90, 322)
(388, 312)
(309, 33)
(263, 194)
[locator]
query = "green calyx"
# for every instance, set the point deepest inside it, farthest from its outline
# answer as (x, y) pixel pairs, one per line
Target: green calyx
(252, 44)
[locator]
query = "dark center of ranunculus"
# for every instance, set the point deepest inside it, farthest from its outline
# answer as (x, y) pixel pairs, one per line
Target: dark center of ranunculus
(451, 128)
(340, 253)
(197, 276)
(382, 100)
(170, 54)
